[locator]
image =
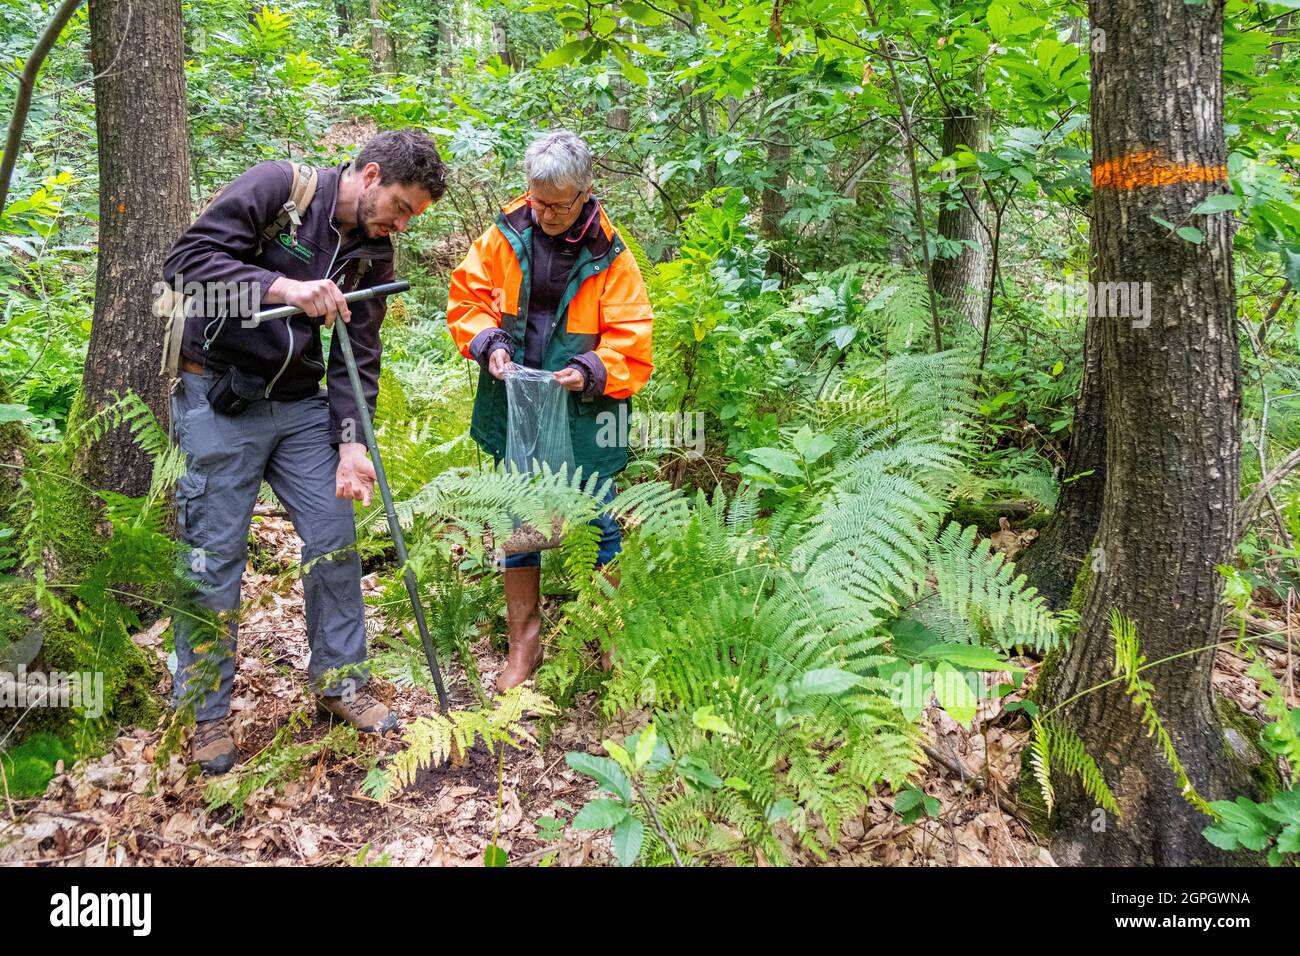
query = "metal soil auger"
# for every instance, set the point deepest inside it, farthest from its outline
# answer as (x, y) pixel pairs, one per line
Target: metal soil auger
(412, 589)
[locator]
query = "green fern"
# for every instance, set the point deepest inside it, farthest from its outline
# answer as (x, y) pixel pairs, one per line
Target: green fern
(1053, 744)
(978, 585)
(281, 761)
(1068, 752)
(432, 741)
(1128, 664)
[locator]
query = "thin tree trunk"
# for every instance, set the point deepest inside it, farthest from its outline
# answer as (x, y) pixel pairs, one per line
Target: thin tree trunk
(381, 45)
(1172, 408)
(144, 204)
(960, 280)
(887, 50)
(773, 204)
(501, 39)
(447, 38)
(27, 83)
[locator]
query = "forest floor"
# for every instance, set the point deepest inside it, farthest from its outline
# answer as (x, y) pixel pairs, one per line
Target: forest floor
(105, 811)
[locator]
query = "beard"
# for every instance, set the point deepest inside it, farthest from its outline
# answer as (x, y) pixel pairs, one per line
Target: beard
(365, 216)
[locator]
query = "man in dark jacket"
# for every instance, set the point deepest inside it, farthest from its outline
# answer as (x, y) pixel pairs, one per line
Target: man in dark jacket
(305, 441)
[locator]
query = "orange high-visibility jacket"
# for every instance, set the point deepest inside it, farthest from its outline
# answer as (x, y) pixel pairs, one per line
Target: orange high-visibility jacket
(610, 303)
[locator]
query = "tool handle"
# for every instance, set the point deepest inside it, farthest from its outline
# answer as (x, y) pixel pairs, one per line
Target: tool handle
(390, 510)
(361, 295)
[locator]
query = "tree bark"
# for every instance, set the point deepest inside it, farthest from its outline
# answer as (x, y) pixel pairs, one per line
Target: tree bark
(144, 204)
(773, 205)
(960, 281)
(1172, 413)
(501, 40)
(381, 45)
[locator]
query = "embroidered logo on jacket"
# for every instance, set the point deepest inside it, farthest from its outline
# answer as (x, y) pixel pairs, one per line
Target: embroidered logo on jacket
(296, 248)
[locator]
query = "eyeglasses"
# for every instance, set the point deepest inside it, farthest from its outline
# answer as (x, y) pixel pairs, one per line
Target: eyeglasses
(558, 208)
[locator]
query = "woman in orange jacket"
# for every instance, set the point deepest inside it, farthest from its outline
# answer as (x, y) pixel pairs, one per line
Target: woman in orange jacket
(552, 286)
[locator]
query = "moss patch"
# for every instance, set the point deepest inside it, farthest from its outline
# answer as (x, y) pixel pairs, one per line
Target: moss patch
(29, 767)
(1247, 757)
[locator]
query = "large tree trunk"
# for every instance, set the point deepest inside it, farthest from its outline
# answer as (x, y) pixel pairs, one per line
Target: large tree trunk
(1172, 410)
(961, 281)
(1052, 565)
(144, 204)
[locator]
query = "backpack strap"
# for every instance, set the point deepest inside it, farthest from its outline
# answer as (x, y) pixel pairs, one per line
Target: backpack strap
(301, 192)
(363, 266)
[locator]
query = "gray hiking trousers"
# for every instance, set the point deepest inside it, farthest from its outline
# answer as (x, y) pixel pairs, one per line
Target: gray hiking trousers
(227, 457)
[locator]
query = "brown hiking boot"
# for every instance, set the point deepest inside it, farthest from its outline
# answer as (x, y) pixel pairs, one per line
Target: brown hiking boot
(524, 625)
(361, 709)
(213, 746)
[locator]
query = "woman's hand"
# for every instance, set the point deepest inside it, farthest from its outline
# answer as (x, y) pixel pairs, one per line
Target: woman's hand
(570, 378)
(498, 361)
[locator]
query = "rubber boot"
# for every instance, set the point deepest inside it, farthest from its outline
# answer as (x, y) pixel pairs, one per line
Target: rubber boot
(524, 626)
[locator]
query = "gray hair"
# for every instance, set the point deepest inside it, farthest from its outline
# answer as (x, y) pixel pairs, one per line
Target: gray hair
(558, 158)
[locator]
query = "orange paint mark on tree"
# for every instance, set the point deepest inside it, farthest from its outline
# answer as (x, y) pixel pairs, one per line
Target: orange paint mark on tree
(1147, 169)
(121, 208)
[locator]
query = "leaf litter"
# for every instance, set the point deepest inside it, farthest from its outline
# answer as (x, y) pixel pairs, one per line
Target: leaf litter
(119, 810)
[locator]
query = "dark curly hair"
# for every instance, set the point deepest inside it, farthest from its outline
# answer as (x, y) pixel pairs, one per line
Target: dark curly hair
(405, 157)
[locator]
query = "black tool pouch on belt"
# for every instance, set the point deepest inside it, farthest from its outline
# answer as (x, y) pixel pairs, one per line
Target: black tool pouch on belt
(234, 391)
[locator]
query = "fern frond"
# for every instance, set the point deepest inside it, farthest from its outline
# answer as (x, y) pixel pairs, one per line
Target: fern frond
(432, 741)
(1128, 664)
(979, 585)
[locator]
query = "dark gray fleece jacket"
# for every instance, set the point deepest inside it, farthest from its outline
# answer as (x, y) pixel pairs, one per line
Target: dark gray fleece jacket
(222, 247)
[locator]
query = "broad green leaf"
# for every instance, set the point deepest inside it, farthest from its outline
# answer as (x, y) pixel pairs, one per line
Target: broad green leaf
(954, 693)
(1288, 841)
(599, 815)
(707, 720)
(777, 461)
(604, 771)
(698, 772)
(628, 836)
(909, 799)
(660, 755)
(970, 656)
(812, 446)
(565, 54)
(780, 810)
(1219, 203)
(620, 755)
(1191, 234)
(827, 680)
(493, 855)
(638, 76)
(999, 20)
(645, 747)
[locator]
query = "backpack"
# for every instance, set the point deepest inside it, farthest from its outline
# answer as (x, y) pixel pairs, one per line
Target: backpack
(171, 306)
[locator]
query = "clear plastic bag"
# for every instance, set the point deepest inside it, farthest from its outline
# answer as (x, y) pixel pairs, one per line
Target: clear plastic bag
(537, 423)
